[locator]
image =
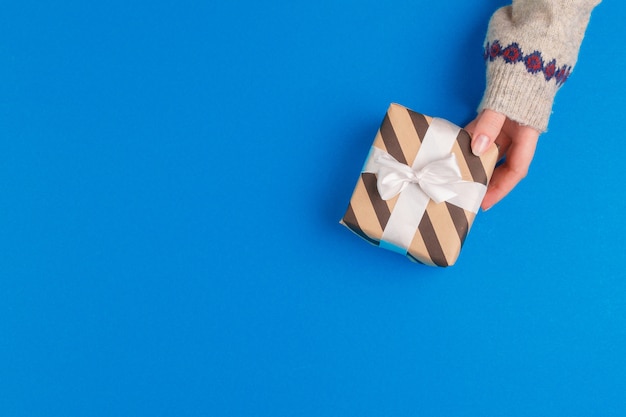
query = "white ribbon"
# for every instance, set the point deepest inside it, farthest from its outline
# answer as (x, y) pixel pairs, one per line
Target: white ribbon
(433, 179)
(434, 174)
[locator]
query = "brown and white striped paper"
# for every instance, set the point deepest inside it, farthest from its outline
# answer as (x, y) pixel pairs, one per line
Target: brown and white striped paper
(444, 226)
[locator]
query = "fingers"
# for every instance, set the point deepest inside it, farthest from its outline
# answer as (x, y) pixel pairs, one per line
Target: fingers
(517, 142)
(515, 167)
(485, 130)
(504, 142)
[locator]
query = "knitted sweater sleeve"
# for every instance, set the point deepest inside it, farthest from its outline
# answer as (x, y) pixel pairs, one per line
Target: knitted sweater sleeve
(531, 48)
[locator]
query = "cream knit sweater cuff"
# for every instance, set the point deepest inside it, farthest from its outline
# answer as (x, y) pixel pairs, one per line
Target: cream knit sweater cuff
(531, 48)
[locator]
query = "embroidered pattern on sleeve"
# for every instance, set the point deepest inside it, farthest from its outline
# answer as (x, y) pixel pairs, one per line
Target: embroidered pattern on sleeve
(533, 62)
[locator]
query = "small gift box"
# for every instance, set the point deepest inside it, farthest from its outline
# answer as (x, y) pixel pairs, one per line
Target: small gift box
(420, 188)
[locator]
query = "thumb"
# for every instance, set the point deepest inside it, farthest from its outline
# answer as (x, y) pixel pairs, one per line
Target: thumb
(487, 128)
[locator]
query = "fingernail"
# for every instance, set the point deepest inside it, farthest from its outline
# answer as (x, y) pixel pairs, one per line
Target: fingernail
(479, 145)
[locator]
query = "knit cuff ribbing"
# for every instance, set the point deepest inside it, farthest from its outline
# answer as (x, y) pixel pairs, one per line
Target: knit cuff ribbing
(523, 97)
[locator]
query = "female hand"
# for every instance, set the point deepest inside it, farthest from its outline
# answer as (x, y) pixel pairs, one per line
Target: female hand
(517, 145)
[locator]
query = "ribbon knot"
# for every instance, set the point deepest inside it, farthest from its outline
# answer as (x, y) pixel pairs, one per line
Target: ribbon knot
(434, 179)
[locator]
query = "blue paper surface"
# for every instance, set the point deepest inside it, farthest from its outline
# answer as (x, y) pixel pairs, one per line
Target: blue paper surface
(173, 174)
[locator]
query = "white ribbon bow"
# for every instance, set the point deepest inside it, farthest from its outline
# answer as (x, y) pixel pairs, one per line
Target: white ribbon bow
(434, 178)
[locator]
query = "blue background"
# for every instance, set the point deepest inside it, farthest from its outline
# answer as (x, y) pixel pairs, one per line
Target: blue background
(172, 175)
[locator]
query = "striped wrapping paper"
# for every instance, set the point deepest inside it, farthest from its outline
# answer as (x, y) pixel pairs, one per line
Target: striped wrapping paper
(443, 228)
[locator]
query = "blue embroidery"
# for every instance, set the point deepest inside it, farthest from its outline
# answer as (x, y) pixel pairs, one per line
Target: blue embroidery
(533, 62)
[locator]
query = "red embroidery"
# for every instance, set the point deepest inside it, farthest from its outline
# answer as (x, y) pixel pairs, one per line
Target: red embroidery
(533, 62)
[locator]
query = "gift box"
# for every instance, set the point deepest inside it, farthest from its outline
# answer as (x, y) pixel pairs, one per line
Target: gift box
(420, 188)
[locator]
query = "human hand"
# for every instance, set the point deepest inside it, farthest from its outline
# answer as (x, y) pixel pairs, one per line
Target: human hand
(517, 145)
